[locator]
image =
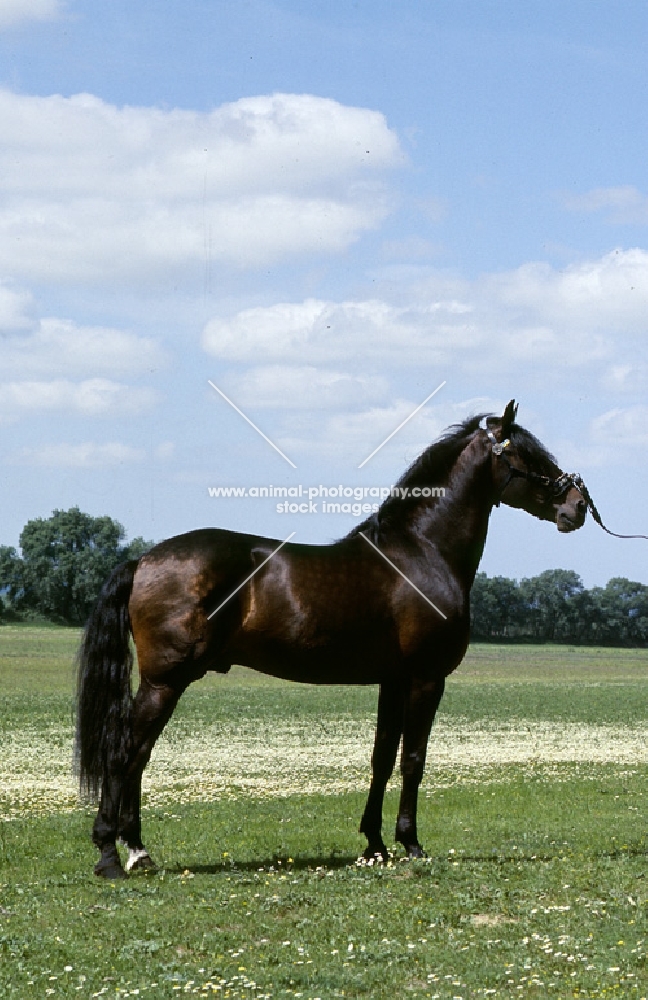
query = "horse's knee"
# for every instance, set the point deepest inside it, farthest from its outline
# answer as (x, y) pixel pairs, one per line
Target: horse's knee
(412, 766)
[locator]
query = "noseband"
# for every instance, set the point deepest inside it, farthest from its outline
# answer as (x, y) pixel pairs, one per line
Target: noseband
(557, 486)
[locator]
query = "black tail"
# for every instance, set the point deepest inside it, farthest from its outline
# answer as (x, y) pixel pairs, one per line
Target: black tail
(104, 698)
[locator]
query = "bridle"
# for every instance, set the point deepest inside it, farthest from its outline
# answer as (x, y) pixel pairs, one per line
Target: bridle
(558, 486)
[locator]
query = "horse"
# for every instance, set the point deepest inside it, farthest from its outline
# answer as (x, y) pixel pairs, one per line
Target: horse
(388, 604)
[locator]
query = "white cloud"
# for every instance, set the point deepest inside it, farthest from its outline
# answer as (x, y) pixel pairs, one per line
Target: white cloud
(92, 192)
(625, 427)
(582, 456)
(627, 378)
(617, 436)
(305, 388)
(319, 331)
(13, 12)
(91, 398)
(534, 317)
(41, 361)
(348, 438)
(59, 347)
(625, 205)
(605, 295)
(80, 456)
(530, 327)
(15, 309)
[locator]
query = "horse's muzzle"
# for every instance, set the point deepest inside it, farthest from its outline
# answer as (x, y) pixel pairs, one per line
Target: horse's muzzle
(571, 514)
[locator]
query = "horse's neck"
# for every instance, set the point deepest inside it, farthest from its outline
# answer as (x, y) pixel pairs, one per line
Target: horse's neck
(457, 524)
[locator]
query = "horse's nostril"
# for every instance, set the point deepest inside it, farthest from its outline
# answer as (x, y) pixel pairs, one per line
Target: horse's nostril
(581, 506)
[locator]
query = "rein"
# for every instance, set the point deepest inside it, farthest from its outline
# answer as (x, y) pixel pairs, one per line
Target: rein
(576, 481)
(558, 486)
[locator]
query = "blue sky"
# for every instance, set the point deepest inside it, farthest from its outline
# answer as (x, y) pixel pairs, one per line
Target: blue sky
(327, 208)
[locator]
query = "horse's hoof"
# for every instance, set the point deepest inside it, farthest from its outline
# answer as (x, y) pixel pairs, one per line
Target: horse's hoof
(416, 851)
(376, 854)
(110, 870)
(140, 862)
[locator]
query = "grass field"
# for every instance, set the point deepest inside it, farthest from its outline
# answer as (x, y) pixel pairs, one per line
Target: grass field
(532, 811)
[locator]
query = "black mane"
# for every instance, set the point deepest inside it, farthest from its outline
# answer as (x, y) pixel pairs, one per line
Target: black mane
(533, 453)
(433, 466)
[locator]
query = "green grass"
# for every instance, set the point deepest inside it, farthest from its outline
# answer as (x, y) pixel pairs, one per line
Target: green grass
(535, 882)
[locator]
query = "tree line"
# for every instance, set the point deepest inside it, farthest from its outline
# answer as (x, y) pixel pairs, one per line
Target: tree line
(65, 559)
(556, 607)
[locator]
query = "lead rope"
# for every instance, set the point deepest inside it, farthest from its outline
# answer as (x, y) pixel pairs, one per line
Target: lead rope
(580, 485)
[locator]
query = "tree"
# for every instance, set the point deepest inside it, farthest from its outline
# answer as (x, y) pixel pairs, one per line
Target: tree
(10, 583)
(65, 560)
(136, 548)
(495, 607)
(549, 597)
(555, 606)
(620, 613)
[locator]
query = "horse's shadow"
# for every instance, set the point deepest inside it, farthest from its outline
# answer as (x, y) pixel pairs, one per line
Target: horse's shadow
(280, 865)
(323, 864)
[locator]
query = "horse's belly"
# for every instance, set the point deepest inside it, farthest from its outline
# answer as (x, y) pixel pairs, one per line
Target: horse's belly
(349, 662)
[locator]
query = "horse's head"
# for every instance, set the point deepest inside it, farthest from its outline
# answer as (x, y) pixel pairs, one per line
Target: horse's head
(525, 475)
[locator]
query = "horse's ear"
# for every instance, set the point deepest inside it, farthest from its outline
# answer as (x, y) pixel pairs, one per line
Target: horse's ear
(508, 417)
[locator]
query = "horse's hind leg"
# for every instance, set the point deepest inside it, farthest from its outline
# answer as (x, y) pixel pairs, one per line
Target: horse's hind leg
(104, 830)
(152, 710)
(389, 727)
(420, 709)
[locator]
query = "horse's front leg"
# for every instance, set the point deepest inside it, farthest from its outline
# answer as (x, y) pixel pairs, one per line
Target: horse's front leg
(152, 710)
(420, 709)
(389, 727)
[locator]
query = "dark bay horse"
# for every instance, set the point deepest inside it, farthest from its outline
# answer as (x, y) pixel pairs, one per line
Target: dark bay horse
(387, 605)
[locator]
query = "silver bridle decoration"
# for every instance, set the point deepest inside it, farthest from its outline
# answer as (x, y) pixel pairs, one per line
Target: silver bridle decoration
(498, 446)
